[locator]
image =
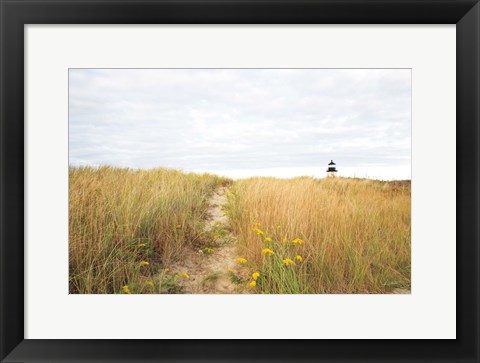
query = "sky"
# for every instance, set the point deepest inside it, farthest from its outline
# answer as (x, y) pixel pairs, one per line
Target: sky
(243, 122)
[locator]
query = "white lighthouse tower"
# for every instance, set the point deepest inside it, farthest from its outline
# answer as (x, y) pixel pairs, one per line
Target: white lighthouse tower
(332, 169)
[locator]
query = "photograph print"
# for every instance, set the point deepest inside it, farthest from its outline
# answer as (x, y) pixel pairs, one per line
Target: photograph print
(239, 181)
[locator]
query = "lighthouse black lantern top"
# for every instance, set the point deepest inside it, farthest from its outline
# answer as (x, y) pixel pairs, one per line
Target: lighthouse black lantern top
(331, 168)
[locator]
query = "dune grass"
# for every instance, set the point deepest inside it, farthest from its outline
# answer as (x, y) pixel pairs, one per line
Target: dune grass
(333, 235)
(300, 235)
(124, 225)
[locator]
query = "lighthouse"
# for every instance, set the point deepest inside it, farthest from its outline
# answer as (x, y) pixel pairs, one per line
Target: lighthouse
(331, 170)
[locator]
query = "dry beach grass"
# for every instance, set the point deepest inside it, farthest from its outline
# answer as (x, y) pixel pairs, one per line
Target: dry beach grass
(124, 224)
(351, 235)
(165, 231)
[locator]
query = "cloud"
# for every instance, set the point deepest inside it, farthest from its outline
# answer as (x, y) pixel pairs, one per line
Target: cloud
(243, 121)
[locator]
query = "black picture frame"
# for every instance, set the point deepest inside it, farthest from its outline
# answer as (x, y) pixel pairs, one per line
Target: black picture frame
(17, 13)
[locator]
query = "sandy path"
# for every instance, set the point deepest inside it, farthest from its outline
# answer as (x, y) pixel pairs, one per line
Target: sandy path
(208, 272)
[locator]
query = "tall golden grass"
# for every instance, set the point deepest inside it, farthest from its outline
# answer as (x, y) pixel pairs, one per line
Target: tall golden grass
(351, 235)
(331, 235)
(124, 224)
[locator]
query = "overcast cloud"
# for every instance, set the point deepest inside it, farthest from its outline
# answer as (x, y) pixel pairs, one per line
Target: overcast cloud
(242, 123)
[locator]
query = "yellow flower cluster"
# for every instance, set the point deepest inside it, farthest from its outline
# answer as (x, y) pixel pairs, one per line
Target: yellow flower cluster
(298, 241)
(267, 251)
(149, 283)
(299, 258)
(126, 289)
(242, 260)
(142, 245)
(258, 231)
(183, 274)
(255, 276)
(229, 270)
(144, 263)
(288, 262)
(268, 239)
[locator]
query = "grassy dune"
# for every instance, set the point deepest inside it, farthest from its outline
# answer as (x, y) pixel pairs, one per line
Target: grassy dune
(300, 235)
(124, 224)
(350, 235)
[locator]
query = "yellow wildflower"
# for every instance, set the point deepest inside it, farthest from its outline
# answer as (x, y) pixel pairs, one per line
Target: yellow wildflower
(126, 289)
(242, 260)
(229, 270)
(255, 275)
(268, 239)
(288, 262)
(144, 263)
(259, 232)
(149, 283)
(207, 250)
(298, 241)
(299, 258)
(183, 274)
(253, 283)
(267, 251)
(142, 245)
